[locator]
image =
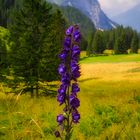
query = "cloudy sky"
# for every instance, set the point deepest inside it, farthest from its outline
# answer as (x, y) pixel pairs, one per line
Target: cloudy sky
(115, 7)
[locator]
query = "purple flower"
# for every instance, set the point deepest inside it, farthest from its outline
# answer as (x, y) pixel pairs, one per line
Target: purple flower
(62, 89)
(67, 43)
(63, 55)
(75, 70)
(74, 102)
(61, 69)
(75, 117)
(75, 88)
(69, 70)
(76, 35)
(57, 134)
(61, 98)
(60, 118)
(74, 66)
(69, 30)
(75, 75)
(65, 79)
(75, 52)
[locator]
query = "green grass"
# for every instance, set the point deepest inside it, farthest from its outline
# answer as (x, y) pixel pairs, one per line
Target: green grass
(110, 105)
(111, 59)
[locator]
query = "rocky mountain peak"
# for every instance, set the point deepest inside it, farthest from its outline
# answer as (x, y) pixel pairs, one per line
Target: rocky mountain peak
(92, 9)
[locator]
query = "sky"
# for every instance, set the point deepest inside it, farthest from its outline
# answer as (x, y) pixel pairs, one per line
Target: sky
(115, 7)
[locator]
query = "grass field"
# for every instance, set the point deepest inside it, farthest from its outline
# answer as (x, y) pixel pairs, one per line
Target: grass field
(111, 58)
(110, 104)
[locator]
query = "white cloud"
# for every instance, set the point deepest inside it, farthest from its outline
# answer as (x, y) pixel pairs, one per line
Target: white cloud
(115, 7)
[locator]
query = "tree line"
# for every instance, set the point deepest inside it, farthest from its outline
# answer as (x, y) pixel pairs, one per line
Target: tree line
(121, 40)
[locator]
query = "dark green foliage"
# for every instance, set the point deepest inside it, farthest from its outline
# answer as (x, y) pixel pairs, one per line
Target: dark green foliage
(5, 6)
(120, 40)
(4, 49)
(3, 54)
(37, 35)
(135, 43)
(110, 41)
(98, 43)
(84, 44)
(89, 50)
(120, 46)
(137, 99)
(55, 43)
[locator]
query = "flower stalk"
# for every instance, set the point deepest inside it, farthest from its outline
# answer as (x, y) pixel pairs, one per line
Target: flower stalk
(67, 93)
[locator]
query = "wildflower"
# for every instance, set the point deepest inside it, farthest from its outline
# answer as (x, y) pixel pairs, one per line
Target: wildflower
(57, 134)
(67, 93)
(75, 88)
(60, 118)
(74, 102)
(75, 117)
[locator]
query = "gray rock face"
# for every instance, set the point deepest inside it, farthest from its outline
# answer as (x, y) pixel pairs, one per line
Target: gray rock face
(92, 9)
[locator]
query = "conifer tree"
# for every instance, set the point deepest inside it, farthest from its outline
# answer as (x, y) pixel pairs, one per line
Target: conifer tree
(36, 43)
(98, 43)
(135, 43)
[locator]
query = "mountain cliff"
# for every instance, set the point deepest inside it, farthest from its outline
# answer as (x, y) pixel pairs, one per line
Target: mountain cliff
(92, 9)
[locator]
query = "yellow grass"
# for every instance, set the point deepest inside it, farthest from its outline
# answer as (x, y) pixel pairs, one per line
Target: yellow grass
(111, 72)
(103, 85)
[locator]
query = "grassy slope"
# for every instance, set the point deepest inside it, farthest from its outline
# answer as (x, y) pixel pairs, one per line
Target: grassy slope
(110, 107)
(112, 59)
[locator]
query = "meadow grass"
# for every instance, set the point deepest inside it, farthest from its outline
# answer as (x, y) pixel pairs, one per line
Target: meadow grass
(110, 105)
(110, 58)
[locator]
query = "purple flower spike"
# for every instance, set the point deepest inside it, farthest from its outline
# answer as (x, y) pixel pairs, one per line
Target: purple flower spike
(75, 75)
(67, 93)
(63, 55)
(60, 118)
(61, 98)
(67, 43)
(62, 89)
(74, 66)
(75, 70)
(75, 51)
(61, 69)
(76, 35)
(75, 117)
(65, 79)
(69, 30)
(75, 88)
(74, 102)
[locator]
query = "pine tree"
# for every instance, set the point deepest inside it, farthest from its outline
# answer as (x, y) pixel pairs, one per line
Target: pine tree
(35, 38)
(110, 43)
(89, 50)
(5, 6)
(55, 42)
(120, 44)
(4, 48)
(135, 43)
(98, 43)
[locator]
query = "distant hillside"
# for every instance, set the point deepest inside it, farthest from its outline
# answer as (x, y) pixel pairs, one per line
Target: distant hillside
(92, 9)
(130, 18)
(74, 16)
